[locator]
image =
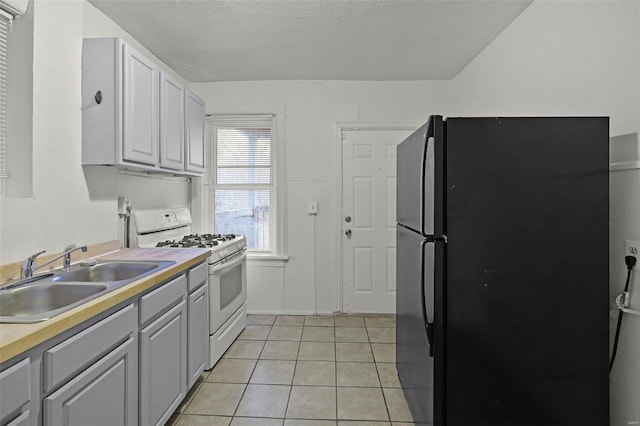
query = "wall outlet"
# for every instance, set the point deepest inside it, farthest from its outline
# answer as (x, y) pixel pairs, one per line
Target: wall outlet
(632, 248)
(313, 207)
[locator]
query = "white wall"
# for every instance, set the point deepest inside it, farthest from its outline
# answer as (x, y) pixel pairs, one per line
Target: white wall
(625, 224)
(19, 161)
(69, 204)
(312, 111)
(576, 58)
(558, 58)
(60, 211)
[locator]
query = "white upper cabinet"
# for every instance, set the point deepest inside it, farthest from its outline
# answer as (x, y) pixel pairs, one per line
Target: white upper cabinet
(140, 108)
(135, 115)
(171, 123)
(195, 133)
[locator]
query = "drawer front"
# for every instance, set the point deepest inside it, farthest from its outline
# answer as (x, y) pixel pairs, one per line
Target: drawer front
(21, 420)
(161, 298)
(105, 394)
(73, 354)
(198, 275)
(14, 387)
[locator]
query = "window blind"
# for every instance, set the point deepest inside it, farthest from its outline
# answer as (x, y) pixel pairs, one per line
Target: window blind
(243, 156)
(5, 29)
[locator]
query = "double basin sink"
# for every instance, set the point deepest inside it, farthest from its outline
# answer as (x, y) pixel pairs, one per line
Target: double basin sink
(45, 296)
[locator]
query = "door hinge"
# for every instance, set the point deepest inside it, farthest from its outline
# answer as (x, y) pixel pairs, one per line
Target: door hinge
(344, 136)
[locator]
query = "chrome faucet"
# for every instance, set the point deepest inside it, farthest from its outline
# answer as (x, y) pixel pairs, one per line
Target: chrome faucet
(28, 266)
(67, 255)
(26, 270)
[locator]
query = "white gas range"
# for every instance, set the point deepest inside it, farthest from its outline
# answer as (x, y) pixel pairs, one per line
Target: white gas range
(171, 229)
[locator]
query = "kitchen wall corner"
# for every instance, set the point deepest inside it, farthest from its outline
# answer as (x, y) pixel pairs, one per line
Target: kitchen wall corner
(71, 203)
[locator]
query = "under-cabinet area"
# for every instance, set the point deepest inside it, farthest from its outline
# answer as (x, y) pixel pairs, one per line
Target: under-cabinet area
(132, 364)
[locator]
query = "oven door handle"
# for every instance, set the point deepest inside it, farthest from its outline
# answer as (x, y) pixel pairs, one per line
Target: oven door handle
(226, 265)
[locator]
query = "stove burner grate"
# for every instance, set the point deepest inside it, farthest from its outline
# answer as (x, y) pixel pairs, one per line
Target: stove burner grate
(195, 240)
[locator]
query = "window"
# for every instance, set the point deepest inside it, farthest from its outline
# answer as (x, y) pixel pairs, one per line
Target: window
(16, 66)
(243, 176)
(5, 28)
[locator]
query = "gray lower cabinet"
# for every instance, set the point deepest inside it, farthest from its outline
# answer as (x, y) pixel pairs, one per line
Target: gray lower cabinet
(198, 333)
(163, 365)
(15, 392)
(131, 367)
(103, 394)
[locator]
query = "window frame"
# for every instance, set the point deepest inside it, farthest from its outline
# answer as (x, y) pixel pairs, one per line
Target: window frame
(251, 116)
(9, 10)
(6, 22)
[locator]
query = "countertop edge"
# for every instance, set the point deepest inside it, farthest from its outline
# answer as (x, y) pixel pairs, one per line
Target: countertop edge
(38, 333)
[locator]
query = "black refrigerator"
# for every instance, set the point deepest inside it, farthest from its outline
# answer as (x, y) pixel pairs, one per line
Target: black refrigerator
(503, 270)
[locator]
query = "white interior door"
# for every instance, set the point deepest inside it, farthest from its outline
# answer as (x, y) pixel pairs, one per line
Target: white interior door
(369, 219)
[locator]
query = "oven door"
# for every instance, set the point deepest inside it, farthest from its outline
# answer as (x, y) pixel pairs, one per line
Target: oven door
(227, 288)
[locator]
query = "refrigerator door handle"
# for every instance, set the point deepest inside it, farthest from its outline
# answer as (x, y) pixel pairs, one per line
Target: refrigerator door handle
(428, 326)
(423, 170)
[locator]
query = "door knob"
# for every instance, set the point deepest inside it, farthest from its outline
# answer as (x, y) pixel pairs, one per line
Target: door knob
(347, 232)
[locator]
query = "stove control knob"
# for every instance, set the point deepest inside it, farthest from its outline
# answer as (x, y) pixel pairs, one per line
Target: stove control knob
(240, 246)
(223, 253)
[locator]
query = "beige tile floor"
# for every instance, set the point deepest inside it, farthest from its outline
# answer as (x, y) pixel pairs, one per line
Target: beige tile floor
(293, 370)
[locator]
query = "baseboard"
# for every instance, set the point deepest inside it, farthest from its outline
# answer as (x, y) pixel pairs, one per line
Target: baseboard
(279, 312)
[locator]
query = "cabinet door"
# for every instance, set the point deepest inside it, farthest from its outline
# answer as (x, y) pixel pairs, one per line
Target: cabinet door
(195, 133)
(198, 333)
(171, 123)
(163, 365)
(140, 108)
(103, 394)
(15, 388)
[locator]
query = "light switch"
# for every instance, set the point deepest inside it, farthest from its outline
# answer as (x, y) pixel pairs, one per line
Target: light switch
(313, 207)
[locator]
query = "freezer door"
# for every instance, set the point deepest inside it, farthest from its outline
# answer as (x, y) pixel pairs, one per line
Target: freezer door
(414, 310)
(419, 201)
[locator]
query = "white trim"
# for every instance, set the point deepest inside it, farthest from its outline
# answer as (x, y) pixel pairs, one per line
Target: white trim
(400, 125)
(340, 128)
(267, 261)
(4, 14)
(285, 312)
(263, 109)
(5, 33)
(260, 257)
(14, 7)
(624, 165)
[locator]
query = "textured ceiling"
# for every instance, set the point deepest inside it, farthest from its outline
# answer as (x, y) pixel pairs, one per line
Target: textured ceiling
(208, 40)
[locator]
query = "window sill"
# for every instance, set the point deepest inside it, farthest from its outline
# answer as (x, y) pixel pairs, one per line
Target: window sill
(267, 259)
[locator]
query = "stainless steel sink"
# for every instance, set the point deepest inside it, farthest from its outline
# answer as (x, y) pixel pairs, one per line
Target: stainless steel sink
(106, 272)
(41, 301)
(32, 301)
